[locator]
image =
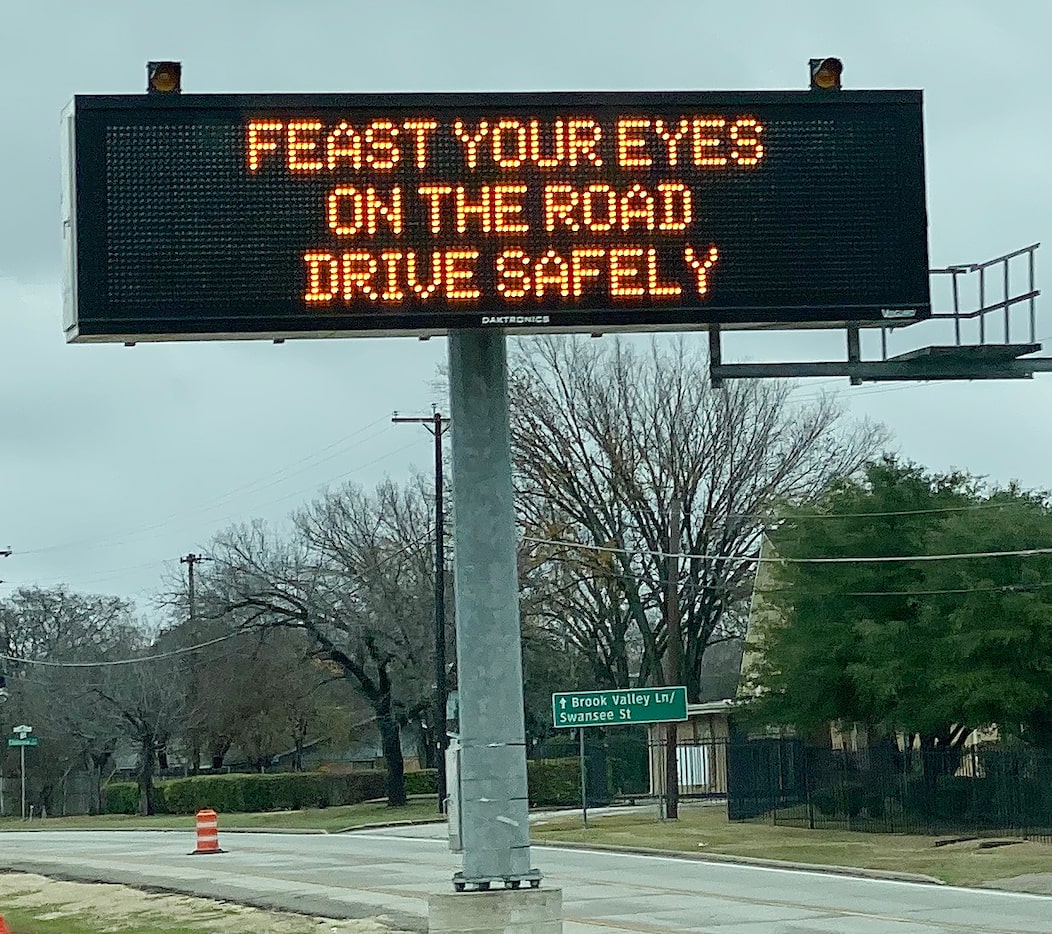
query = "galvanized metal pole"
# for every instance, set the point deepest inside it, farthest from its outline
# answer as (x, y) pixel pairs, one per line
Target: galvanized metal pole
(22, 750)
(493, 793)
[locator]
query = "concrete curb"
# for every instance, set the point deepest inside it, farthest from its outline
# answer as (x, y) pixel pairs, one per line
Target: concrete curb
(385, 825)
(749, 861)
(295, 831)
(187, 830)
(96, 830)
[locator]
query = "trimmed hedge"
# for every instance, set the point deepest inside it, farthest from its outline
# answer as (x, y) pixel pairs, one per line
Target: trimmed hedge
(222, 793)
(422, 782)
(240, 793)
(554, 782)
(551, 782)
(121, 798)
(356, 787)
(281, 791)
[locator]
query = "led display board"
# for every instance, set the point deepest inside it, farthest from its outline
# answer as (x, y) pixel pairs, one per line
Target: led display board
(219, 216)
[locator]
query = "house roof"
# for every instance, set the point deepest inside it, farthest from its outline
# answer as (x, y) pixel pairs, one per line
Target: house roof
(721, 668)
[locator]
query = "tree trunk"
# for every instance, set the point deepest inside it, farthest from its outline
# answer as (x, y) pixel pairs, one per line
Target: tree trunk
(146, 774)
(94, 784)
(392, 742)
(937, 759)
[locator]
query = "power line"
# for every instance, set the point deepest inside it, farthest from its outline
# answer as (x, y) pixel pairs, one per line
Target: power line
(869, 559)
(718, 585)
(878, 515)
(997, 588)
(423, 540)
(120, 537)
(43, 663)
(110, 574)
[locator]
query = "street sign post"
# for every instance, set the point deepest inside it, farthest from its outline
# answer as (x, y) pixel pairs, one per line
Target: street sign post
(22, 739)
(629, 707)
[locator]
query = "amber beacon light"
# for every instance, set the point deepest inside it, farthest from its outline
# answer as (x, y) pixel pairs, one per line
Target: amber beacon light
(164, 77)
(825, 74)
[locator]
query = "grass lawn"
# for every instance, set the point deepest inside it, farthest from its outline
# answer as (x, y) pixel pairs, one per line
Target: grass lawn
(28, 922)
(329, 819)
(706, 830)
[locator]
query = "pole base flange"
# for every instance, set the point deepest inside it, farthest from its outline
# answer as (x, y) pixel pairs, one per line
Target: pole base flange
(462, 883)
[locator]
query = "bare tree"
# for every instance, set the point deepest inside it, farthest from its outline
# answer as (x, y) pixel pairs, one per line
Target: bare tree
(79, 732)
(605, 438)
(260, 691)
(149, 704)
(356, 578)
(41, 630)
(39, 622)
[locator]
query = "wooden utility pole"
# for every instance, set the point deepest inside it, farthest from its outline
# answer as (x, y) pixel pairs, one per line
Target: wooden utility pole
(435, 424)
(673, 655)
(190, 560)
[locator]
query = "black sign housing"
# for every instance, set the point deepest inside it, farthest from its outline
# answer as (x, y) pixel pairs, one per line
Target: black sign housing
(252, 216)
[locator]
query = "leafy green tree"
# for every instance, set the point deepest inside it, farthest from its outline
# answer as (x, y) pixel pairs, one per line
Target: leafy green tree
(933, 649)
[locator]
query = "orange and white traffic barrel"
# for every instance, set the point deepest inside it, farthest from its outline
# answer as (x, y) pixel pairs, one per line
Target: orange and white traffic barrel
(207, 832)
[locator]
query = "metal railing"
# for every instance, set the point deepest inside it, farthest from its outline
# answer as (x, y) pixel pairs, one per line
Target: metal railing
(1006, 269)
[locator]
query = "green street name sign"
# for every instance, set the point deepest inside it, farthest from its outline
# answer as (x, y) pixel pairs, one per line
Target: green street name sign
(618, 708)
(32, 741)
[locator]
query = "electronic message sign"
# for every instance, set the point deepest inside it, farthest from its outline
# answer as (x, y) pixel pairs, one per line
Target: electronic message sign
(218, 216)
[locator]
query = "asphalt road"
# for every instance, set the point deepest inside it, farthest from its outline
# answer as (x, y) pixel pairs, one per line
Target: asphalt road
(390, 873)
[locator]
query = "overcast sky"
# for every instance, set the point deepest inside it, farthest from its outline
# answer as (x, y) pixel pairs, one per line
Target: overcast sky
(114, 461)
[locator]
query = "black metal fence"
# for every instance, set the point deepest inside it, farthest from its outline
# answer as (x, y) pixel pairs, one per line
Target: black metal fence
(701, 766)
(980, 791)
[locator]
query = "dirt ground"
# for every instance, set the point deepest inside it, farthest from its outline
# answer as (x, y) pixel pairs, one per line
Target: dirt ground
(118, 908)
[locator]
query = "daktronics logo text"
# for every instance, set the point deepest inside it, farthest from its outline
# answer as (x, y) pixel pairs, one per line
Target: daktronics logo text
(516, 319)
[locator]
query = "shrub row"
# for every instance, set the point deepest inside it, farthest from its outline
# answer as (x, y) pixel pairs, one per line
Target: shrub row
(424, 782)
(280, 791)
(554, 782)
(121, 798)
(551, 781)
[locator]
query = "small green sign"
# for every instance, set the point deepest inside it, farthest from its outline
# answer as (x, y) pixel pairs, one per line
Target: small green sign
(32, 741)
(618, 708)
